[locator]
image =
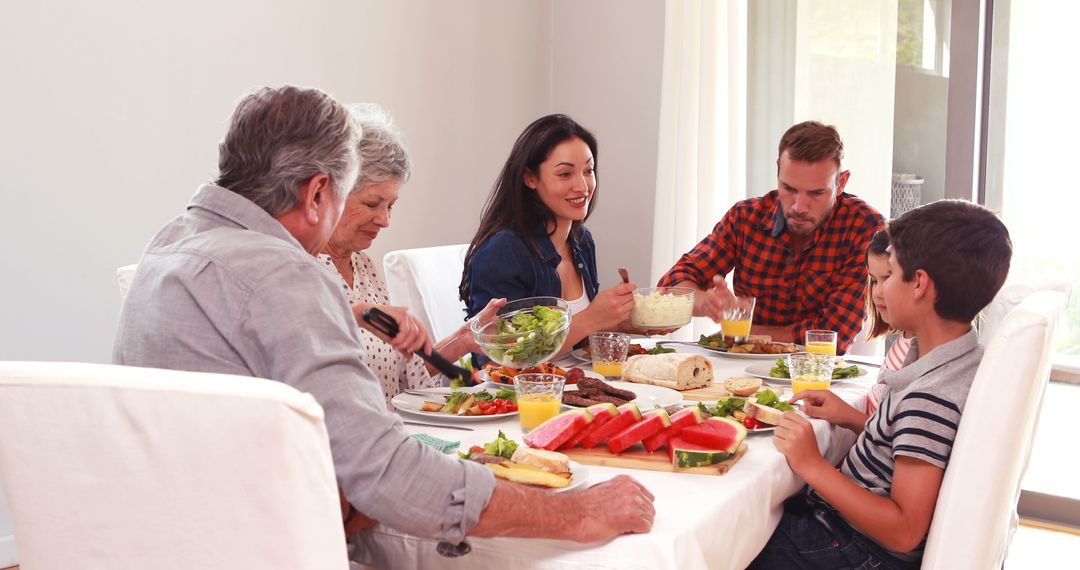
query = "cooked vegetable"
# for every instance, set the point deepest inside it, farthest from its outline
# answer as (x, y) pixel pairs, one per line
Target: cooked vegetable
(501, 446)
(660, 350)
(714, 340)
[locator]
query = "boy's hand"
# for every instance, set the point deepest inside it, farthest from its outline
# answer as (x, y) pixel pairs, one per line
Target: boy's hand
(794, 437)
(828, 406)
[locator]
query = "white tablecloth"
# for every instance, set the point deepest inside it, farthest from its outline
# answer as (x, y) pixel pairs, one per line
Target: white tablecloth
(702, 521)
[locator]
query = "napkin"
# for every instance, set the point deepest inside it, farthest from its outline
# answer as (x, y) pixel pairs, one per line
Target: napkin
(440, 444)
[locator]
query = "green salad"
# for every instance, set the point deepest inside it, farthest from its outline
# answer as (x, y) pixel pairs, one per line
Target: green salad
(715, 340)
(500, 446)
(540, 332)
(780, 370)
(728, 406)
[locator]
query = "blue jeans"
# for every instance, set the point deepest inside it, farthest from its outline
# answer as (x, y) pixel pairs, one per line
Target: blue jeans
(811, 535)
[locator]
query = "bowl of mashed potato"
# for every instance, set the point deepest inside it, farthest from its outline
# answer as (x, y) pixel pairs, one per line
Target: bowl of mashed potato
(662, 308)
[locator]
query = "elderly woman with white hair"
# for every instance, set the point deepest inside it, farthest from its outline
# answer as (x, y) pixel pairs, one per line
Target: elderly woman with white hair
(385, 166)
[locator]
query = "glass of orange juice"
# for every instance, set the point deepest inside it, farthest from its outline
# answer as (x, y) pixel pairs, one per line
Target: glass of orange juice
(736, 318)
(823, 342)
(609, 352)
(539, 398)
(810, 371)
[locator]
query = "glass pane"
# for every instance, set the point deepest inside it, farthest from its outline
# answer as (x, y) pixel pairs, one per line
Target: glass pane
(1034, 121)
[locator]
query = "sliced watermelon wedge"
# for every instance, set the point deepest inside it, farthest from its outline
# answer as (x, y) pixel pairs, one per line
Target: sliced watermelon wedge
(684, 454)
(628, 414)
(652, 422)
(554, 432)
(602, 413)
(679, 420)
(723, 434)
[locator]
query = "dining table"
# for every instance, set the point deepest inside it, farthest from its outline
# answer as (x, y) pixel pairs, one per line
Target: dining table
(702, 521)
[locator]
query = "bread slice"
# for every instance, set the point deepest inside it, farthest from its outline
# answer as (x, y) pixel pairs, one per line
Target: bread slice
(674, 370)
(763, 414)
(550, 461)
(742, 386)
(529, 475)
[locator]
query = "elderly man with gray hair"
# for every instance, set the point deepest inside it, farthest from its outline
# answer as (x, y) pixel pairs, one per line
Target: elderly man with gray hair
(367, 212)
(231, 286)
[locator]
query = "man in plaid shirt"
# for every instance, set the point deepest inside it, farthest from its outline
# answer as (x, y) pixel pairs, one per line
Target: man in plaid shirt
(800, 249)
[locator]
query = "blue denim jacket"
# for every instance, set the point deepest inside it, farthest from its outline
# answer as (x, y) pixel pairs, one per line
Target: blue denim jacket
(503, 266)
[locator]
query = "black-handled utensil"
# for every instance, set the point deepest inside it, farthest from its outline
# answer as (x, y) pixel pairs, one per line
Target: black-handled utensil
(386, 324)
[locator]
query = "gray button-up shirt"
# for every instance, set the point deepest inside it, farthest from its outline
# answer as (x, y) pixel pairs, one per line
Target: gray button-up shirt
(225, 288)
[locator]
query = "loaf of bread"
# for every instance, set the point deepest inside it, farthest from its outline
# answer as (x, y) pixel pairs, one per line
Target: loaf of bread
(673, 370)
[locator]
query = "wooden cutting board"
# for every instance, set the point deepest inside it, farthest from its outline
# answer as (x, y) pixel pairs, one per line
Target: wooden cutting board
(641, 459)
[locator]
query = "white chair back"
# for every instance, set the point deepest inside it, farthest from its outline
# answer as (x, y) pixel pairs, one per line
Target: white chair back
(977, 502)
(130, 468)
(426, 281)
(124, 276)
(1010, 295)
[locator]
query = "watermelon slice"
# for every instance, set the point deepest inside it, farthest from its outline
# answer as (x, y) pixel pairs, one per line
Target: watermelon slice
(601, 413)
(628, 414)
(554, 432)
(685, 454)
(718, 433)
(679, 420)
(652, 422)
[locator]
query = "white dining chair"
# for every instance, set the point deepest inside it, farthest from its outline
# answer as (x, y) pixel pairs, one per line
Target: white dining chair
(131, 468)
(9, 555)
(124, 276)
(1010, 295)
(975, 514)
(426, 281)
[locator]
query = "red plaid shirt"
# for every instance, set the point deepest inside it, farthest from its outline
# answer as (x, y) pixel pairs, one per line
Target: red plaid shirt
(821, 287)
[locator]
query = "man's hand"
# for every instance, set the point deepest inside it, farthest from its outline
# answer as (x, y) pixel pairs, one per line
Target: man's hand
(604, 511)
(711, 303)
(829, 407)
(411, 334)
(794, 437)
(355, 521)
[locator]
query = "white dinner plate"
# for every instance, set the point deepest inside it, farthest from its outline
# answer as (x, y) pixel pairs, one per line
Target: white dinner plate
(579, 475)
(648, 396)
(410, 404)
(579, 354)
(762, 371)
(746, 356)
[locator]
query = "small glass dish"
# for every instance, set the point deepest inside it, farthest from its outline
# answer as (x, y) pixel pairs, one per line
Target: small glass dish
(662, 308)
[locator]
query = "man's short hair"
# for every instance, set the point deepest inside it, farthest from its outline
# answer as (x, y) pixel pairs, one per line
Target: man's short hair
(279, 138)
(812, 141)
(963, 247)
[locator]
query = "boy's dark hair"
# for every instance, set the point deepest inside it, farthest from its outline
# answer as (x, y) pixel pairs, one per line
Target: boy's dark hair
(962, 246)
(879, 245)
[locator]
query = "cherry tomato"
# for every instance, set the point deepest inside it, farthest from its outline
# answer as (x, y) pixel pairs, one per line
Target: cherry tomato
(511, 407)
(750, 423)
(476, 449)
(491, 411)
(484, 405)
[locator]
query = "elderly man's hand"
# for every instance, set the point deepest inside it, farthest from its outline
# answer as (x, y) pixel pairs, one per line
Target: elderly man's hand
(604, 511)
(711, 303)
(411, 334)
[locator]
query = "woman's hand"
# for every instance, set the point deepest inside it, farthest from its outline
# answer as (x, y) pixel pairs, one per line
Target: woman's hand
(463, 342)
(611, 307)
(411, 335)
(829, 407)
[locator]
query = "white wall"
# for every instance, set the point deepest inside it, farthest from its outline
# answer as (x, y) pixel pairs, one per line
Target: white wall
(111, 112)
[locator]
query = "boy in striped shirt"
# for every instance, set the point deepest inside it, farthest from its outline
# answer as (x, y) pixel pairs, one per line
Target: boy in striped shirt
(947, 259)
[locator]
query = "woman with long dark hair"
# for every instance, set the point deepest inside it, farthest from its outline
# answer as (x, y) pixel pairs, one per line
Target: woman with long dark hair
(532, 239)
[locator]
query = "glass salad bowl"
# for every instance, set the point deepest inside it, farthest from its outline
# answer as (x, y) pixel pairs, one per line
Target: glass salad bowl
(525, 332)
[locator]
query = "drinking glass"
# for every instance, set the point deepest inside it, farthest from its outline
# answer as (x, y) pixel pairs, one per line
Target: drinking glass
(810, 371)
(609, 352)
(823, 342)
(736, 319)
(539, 398)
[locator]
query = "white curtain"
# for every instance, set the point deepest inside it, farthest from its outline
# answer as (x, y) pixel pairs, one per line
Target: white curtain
(701, 167)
